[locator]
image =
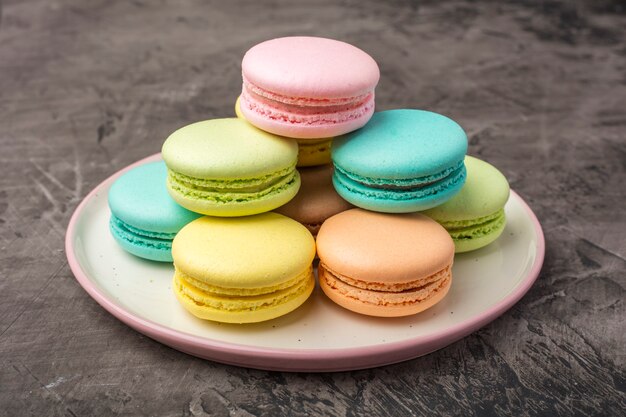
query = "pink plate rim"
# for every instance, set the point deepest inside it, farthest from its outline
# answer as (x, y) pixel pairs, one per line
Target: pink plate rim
(294, 360)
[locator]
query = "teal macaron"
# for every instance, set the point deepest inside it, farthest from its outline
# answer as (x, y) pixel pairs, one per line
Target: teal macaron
(144, 218)
(475, 216)
(401, 161)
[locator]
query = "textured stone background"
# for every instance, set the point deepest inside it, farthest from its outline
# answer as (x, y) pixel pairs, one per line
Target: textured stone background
(87, 87)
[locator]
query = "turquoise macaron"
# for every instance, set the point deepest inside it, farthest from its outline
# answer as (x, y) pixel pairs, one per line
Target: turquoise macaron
(401, 161)
(144, 218)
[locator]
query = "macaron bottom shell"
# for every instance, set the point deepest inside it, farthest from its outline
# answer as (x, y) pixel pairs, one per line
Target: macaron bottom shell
(392, 200)
(144, 244)
(381, 303)
(242, 309)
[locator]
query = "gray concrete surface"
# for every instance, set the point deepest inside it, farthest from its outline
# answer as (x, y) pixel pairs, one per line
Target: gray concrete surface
(87, 87)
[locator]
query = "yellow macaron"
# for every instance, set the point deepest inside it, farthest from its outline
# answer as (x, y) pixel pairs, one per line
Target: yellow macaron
(243, 269)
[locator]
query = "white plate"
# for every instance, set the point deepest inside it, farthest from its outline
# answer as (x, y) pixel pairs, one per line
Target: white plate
(319, 336)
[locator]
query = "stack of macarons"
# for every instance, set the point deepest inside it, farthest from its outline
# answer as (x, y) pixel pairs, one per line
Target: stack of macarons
(311, 90)
(425, 200)
(243, 205)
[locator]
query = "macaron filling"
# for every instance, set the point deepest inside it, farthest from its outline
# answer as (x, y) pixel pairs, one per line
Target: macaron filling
(303, 110)
(232, 191)
(402, 188)
(384, 294)
(242, 299)
(474, 228)
(135, 236)
(231, 291)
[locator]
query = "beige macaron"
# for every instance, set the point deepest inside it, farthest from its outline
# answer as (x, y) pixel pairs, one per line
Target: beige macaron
(316, 200)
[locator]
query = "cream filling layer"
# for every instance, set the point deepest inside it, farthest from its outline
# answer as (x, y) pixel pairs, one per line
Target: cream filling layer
(302, 101)
(305, 110)
(428, 289)
(237, 192)
(242, 302)
(471, 229)
(239, 292)
(232, 185)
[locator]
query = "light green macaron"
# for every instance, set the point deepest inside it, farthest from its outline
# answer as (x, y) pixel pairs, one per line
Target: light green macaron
(475, 216)
(227, 167)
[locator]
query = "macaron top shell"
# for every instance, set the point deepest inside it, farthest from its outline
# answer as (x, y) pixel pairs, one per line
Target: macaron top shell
(378, 247)
(485, 191)
(317, 199)
(400, 144)
(244, 252)
(310, 67)
(140, 199)
(226, 149)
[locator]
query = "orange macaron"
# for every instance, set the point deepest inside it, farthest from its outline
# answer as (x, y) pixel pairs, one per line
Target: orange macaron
(385, 265)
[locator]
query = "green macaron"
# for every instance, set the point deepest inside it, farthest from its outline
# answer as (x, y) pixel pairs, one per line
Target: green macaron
(227, 167)
(475, 216)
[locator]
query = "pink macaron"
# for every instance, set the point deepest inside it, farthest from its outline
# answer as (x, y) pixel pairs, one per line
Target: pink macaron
(307, 87)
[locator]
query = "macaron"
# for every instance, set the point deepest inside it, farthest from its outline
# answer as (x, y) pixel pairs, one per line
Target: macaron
(227, 167)
(475, 216)
(307, 87)
(311, 152)
(316, 200)
(401, 161)
(243, 269)
(314, 152)
(385, 265)
(144, 218)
